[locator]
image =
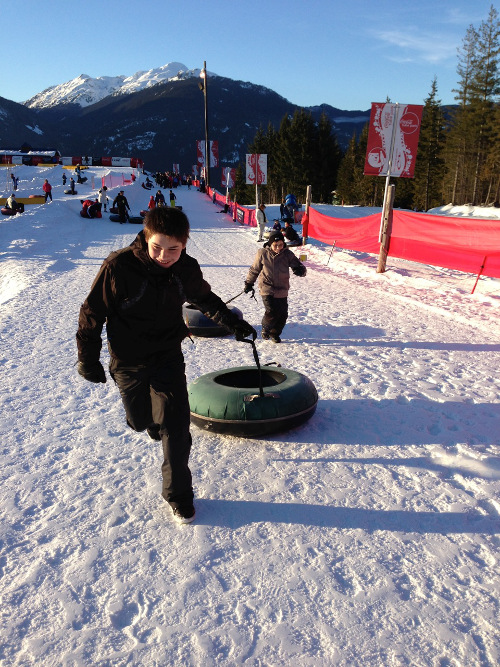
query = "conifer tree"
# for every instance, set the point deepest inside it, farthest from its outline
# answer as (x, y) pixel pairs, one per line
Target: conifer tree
(491, 169)
(429, 165)
(472, 134)
(460, 125)
(369, 190)
(242, 193)
(346, 186)
(485, 88)
(327, 162)
(301, 150)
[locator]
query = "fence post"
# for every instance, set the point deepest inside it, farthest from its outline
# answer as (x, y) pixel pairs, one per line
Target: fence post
(479, 274)
(385, 232)
(306, 222)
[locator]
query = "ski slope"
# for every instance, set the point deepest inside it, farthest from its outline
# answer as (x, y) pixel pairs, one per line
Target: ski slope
(367, 536)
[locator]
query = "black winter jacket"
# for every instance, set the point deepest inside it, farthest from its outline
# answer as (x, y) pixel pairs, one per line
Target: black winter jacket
(141, 304)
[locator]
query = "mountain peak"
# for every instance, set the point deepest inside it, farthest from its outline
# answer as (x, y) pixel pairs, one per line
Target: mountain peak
(85, 90)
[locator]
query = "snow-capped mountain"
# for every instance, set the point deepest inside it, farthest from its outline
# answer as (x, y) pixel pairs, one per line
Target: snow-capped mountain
(85, 90)
(156, 115)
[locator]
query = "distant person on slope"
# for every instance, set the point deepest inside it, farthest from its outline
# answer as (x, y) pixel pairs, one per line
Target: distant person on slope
(121, 203)
(103, 197)
(291, 236)
(14, 205)
(160, 198)
(261, 222)
(47, 189)
(138, 293)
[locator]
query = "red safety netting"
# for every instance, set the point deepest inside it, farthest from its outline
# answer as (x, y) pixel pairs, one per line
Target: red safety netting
(349, 233)
(465, 244)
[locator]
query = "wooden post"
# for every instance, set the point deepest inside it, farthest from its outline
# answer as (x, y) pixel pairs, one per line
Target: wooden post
(331, 252)
(305, 227)
(386, 229)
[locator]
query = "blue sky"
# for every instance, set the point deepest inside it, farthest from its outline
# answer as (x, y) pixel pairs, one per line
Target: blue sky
(346, 53)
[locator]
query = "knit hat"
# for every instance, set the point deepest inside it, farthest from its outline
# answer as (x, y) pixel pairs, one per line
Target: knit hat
(276, 236)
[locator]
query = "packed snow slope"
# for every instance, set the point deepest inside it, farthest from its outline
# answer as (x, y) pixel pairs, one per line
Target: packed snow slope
(368, 536)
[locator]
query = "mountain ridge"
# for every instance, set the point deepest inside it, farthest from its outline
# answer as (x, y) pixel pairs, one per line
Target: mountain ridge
(157, 116)
(85, 90)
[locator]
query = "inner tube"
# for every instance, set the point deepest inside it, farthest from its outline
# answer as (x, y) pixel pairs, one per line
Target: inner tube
(231, 402)
(202, 326)
(70, 192)
(8, 211)
(134, 220)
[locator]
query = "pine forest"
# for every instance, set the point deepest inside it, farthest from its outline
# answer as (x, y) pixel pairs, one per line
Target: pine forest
(458, 158)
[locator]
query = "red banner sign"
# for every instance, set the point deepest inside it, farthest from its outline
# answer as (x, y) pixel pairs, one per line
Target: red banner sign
(393, 139)
(256, 171)
(228, 177)
(214, 153)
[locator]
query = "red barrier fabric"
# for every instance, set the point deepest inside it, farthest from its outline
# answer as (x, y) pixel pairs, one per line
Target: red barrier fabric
(245, 216)
(464, 244)
(349, 233)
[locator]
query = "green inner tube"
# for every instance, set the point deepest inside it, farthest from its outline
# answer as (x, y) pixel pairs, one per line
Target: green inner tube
(230, 402)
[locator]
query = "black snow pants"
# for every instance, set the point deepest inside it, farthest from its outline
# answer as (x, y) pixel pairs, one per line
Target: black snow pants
(275, 316)
(156, 393)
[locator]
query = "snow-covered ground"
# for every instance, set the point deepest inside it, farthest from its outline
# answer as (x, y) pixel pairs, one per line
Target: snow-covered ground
(368, 536)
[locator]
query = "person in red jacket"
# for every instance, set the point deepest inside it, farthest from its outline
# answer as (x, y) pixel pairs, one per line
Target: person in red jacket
(152, 203)
(47, 188)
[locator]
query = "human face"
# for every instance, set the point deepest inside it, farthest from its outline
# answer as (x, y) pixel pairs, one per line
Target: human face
(164, 250)
(277, 246)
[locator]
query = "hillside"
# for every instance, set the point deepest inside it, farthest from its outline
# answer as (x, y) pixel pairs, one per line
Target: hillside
(368, 536)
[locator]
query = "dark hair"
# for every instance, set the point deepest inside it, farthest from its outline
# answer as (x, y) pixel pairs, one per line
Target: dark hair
(168, 221)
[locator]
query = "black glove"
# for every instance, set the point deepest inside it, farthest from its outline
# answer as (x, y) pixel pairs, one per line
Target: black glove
(300, 271)
(248, 288)
(92, 371)
(242, 330)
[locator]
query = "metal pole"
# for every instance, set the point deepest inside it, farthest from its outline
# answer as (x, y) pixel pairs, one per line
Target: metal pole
(207, 143)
